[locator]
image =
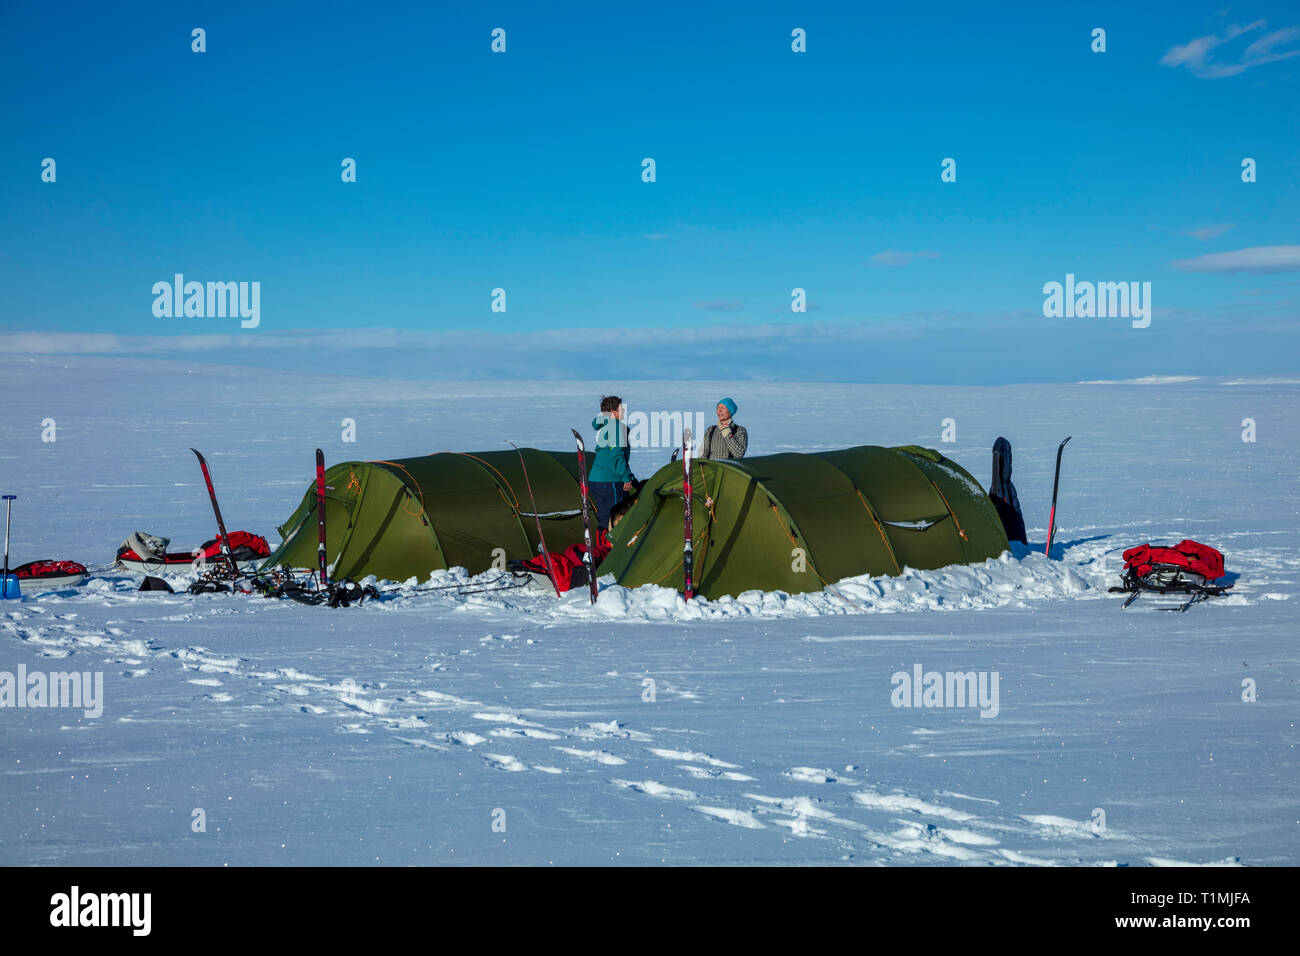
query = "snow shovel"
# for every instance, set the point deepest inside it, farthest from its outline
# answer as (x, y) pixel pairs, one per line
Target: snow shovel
(9, 589)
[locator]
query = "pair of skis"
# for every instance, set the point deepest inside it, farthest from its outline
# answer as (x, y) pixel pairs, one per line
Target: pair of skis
(588, 555)
(1198, 594)
(688, 529)
(589, 549)
(1135, 588)
(324, 582)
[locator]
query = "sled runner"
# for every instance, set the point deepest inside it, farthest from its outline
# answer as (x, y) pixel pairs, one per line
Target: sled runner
(1188, 568)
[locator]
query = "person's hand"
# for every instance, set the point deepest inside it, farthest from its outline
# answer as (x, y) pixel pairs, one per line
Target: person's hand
(627, 486)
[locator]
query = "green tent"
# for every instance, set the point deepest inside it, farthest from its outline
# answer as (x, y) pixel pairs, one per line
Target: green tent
(795, 522)
(395, 519)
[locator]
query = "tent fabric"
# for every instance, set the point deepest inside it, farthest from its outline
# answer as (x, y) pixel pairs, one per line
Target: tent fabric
(412, 516)
(798, 522)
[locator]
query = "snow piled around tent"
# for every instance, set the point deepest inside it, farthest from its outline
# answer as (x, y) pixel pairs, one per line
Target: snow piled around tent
(1006, 581)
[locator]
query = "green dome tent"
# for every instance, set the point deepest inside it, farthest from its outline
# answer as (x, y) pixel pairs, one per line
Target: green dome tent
(395, 519)
(796, 522)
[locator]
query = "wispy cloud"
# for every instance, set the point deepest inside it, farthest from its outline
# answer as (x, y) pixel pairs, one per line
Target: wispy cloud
(1197, 54)
(654, 235)
(720, 305)
(1256, 259)
(1209, 232)
(787, 351)
(897, 257)
(775, 335)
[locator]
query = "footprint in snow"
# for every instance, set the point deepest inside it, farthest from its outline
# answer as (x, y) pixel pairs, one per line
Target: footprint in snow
(928, 838)
(738, 818)
(704, 773)
(815, 775)
(899, 801)
(523, 732)
(655, 789)
(505, 719)
(693, 757)
(375, 707)
(504, 762)
(1062, 826)
(610, 729)
(599, 756)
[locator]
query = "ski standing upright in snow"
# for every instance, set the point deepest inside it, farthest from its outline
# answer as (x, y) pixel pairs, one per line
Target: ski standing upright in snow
(216, 510)
(588, 557)
(688, 547)
(1056, 483)
(541, 538)
(321, 558)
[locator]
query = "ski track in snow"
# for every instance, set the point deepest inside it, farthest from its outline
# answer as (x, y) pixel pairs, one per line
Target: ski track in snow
(855, 818)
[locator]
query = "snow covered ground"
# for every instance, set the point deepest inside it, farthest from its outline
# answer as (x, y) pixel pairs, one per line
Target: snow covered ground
(643, 730)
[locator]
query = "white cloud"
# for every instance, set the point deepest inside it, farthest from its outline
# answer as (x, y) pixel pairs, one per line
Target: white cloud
(1197, 54)
(897, 257)
(528, 344)
(1209, 232)
(1257, 259)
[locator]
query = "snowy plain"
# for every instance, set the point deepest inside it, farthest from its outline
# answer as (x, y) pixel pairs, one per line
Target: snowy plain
(400, 732)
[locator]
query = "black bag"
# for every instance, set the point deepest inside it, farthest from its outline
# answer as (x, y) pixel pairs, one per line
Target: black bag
(1003, 493)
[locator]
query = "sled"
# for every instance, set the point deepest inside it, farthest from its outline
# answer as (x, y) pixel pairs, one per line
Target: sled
(147, 554)
(46, 575)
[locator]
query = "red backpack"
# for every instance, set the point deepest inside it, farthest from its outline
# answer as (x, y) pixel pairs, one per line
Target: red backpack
(243, 545)
(1189, 567)
(1187, 562)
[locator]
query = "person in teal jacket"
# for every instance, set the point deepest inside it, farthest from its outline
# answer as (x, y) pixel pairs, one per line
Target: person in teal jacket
(611, 476)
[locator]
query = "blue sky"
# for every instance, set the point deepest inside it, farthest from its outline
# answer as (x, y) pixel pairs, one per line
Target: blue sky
(775, 170)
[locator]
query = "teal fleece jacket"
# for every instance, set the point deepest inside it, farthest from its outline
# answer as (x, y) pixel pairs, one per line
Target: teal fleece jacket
(613, 453)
